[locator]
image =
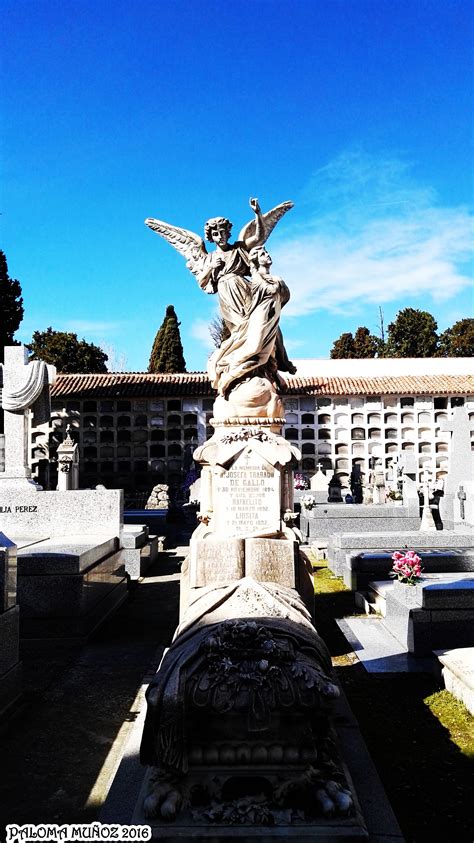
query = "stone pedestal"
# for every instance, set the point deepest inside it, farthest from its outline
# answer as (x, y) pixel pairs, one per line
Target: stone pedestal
(246, 510)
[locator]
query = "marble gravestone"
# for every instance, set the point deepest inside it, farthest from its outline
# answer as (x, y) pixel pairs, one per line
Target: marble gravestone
(25, 390)
(71, 566)
(319, 485)
(239, 712)
(249, 494)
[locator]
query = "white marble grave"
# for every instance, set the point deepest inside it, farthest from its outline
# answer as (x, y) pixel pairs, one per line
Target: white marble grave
(25, 391)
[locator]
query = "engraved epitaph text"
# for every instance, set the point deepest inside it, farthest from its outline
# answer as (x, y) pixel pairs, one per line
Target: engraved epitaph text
(247, 497)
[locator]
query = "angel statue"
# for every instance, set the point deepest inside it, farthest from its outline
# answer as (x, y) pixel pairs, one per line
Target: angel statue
(250, 299)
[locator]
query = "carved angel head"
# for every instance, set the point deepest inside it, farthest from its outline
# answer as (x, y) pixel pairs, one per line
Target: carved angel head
(216, 227)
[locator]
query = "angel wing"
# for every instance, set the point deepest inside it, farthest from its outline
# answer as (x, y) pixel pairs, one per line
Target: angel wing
(270, 220)
(188, 244)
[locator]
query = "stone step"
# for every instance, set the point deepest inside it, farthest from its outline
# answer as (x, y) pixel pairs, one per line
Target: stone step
(374, 600)
(138, 559)
(134, 535)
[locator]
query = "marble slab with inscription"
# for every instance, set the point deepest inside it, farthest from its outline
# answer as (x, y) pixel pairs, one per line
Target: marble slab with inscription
(216, 560)
(271, 560)
(246, 497)
(29, 513)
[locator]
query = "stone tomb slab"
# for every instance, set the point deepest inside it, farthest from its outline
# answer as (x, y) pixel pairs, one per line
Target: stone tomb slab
(453, 592)
(246, 497)
(59, 595)
(360, 568)
(421, 630)
(67, 589)
(458, 673)
(340, 547)
(66, 555)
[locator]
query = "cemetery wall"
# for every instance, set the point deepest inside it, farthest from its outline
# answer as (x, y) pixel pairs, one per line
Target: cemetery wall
(136, 429)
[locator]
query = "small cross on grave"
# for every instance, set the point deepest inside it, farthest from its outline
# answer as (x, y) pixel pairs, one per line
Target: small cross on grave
(462, 497)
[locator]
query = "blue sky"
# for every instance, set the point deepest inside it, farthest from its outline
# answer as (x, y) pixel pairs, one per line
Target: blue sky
(360, 111)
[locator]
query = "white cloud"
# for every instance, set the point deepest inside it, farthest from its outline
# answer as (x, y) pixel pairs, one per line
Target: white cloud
(293, 344)
(199, 330)
(90, 330)
(372, 236)
(89, 326)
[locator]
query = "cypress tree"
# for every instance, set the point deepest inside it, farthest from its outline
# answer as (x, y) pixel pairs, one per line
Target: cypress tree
(167, 352)
(11, 305)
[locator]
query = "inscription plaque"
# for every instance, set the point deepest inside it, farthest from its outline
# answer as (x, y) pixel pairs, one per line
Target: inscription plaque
(271, 560)
(247, 497)
(216, 561)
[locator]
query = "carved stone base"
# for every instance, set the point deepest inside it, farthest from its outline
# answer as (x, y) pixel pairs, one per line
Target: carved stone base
(255, 804)
(238, 728)
(255, 400)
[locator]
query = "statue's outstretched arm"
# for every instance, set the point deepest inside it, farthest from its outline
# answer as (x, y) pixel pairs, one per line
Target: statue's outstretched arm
(257, 231)
(257, 234)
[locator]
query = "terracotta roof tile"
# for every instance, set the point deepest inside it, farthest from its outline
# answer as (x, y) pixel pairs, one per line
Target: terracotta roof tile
(142, 384)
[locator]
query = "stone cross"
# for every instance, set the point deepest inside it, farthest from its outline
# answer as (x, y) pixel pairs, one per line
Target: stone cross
(462, 497)
(25, 388)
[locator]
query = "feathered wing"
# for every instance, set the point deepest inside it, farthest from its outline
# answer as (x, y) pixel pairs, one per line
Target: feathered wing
(270, 220)
(188, 244)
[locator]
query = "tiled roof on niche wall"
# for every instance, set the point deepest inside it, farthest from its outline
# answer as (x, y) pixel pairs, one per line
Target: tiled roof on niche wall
(142, 384)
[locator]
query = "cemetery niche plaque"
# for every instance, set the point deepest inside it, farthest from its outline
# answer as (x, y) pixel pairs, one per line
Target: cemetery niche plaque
(247, 497)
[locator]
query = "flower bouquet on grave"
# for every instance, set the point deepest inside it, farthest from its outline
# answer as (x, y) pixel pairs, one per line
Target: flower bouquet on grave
(308, 502)
(300, 481)
(406, 567)
(394, 495)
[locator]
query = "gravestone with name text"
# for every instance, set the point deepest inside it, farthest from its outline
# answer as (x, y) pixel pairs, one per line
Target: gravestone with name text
(71, 567)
